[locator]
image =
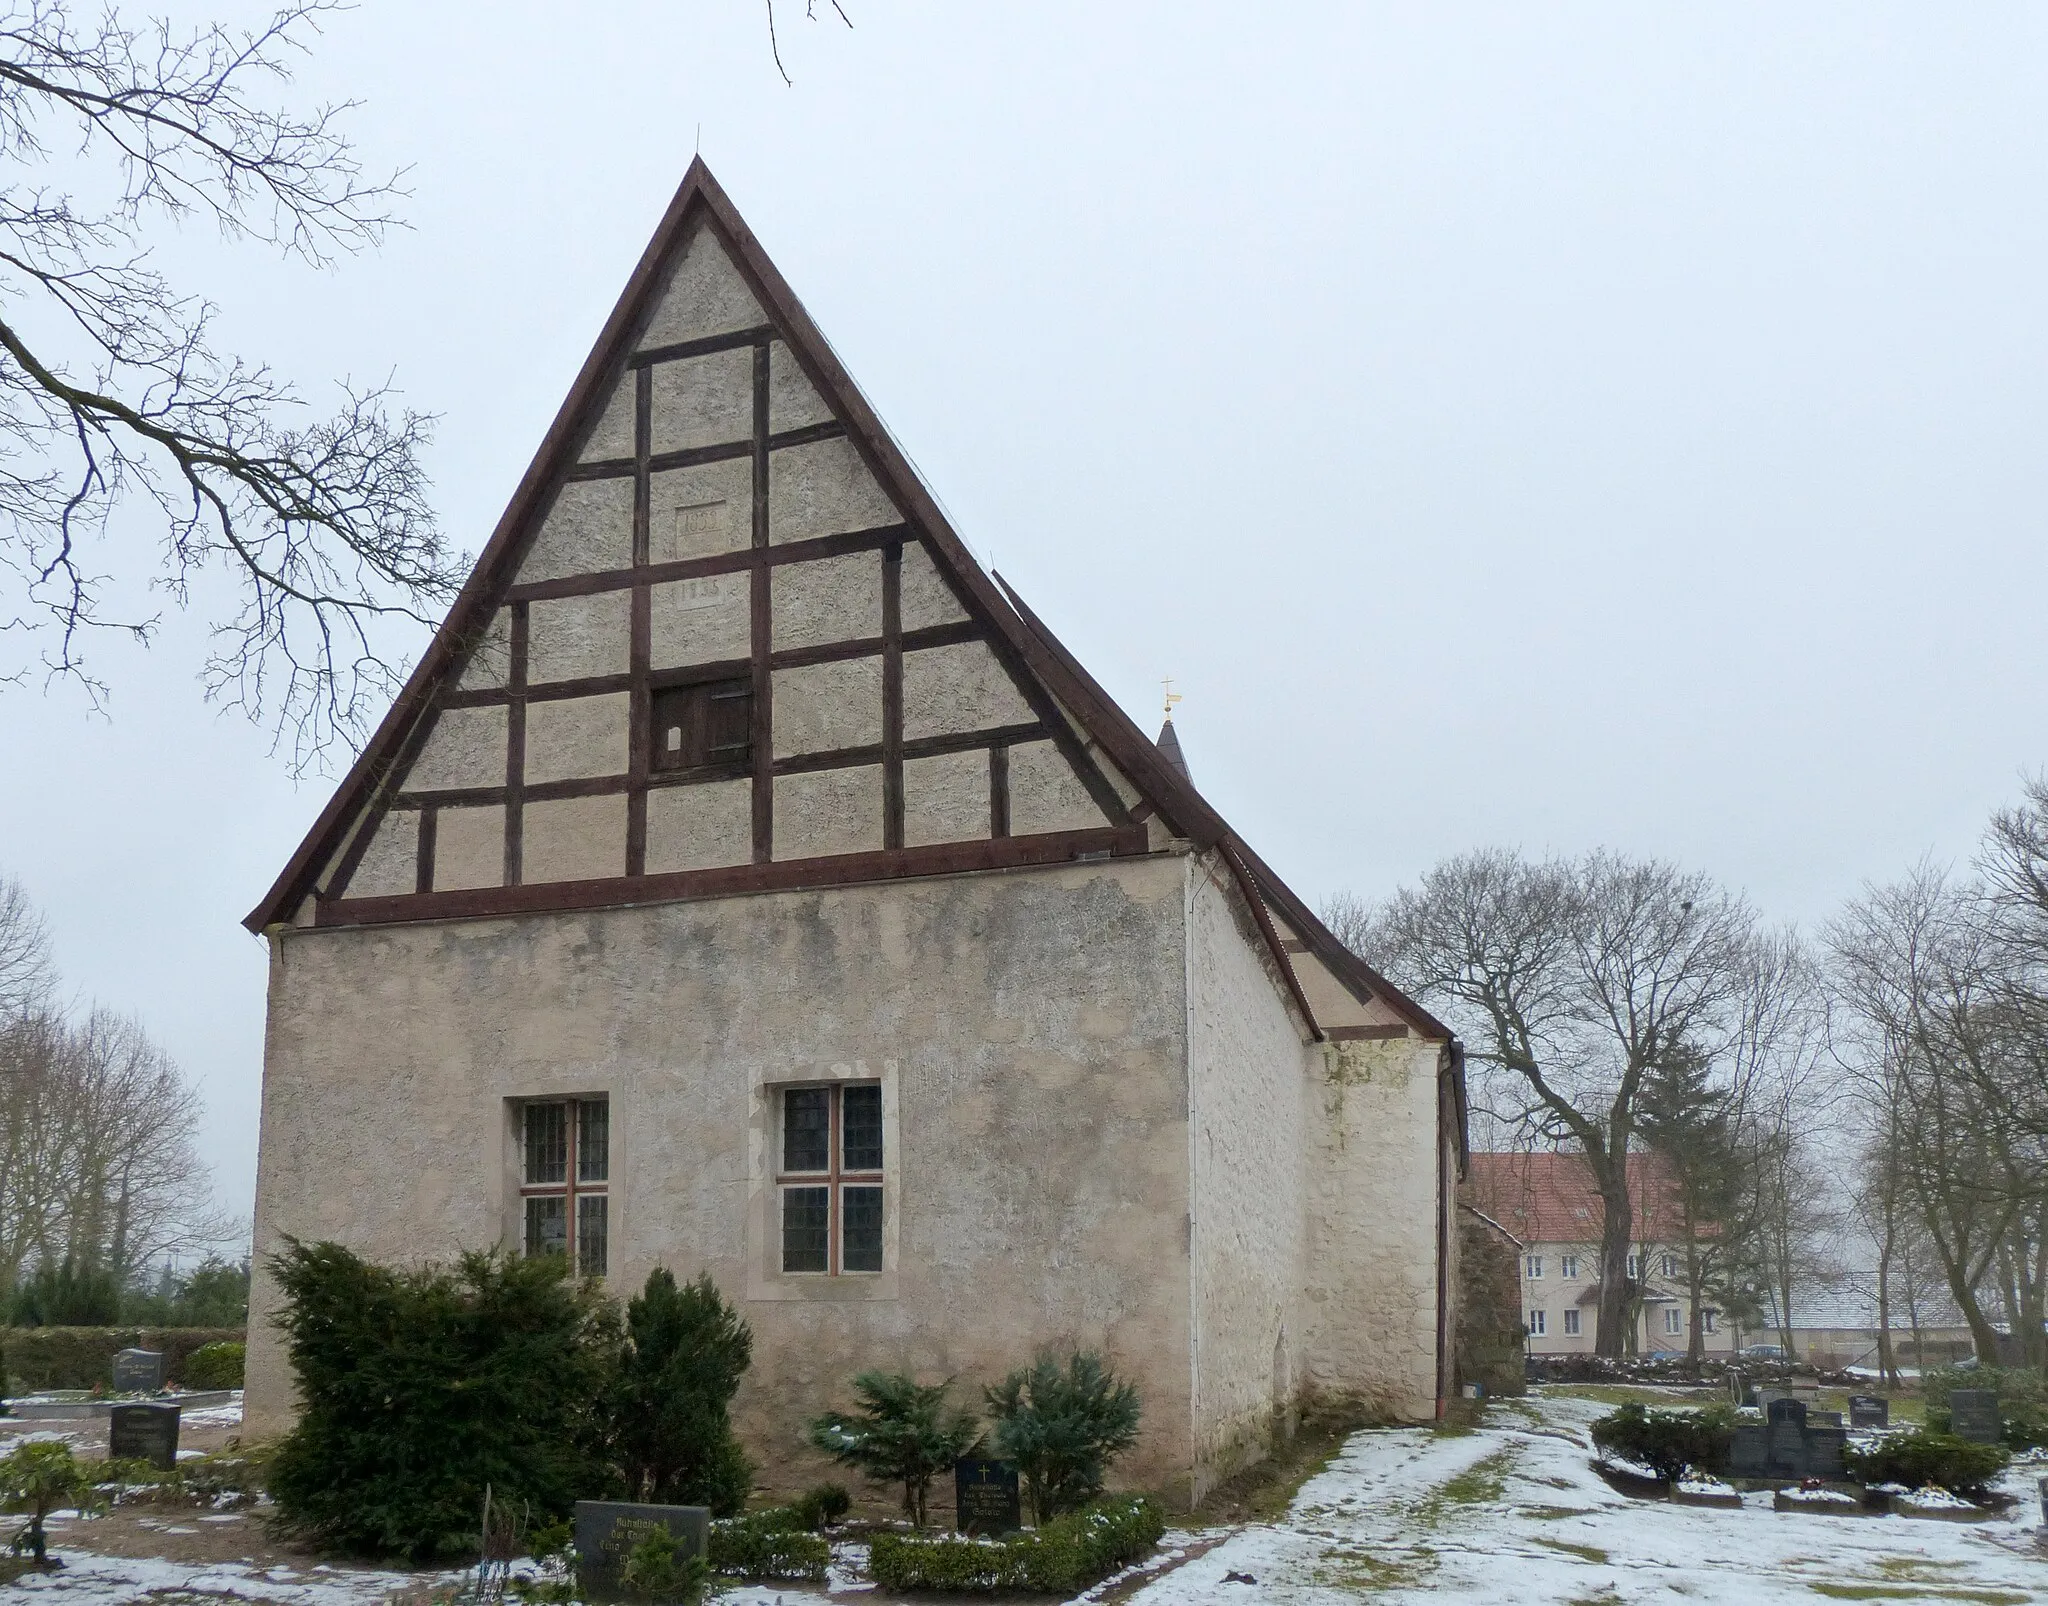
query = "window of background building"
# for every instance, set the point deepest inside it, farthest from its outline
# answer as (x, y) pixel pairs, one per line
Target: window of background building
(1536, 1324)
(1634, 1267)
(1568, 1266)
(1668, 1266)
(830, 1178)
(1532, 1265)
(1708, 1320)
(1571, 1324)
(1674, 1320)
(565, 1181)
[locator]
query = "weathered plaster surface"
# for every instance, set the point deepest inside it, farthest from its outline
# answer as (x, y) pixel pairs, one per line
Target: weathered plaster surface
(1248, 1069)
(695, 512)
(701, 621)
(589, 530)
(490, 660)
(702, 401)
(611, 437)
(391, 864)
(792, 401)
(945, 798)
(1046, 794)
(1037, 1024)
(822, 707)
(700, 827)
(1372, 1249)
(828, 811)
(569, 738)
(469, 847)
(572, 839)
(927, 599)
(465, 748)
(958, 688)
(823, 489)
(705, 295)
(568, 638)
(832, 599)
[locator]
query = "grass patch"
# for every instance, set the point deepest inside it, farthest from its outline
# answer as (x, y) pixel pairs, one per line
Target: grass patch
(1589, 1553)
(1460, 1417)
(1479, 1484)
(1913, 1567)
(1983, 1597)
(1553, 1513)
(1347, 1568)
(1264, 1490)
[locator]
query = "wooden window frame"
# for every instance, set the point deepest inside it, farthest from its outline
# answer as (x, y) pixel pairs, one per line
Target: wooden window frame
(697, 763)
(572, 1188)
(1571, 1324)
(835, 1178)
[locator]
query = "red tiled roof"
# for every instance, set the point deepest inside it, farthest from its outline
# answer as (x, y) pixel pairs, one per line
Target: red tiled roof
(1550, 1197)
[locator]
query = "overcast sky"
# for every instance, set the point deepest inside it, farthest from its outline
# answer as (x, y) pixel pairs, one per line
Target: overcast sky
(1557, 425)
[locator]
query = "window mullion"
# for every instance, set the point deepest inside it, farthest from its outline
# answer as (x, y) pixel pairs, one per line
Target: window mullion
(832, 1240)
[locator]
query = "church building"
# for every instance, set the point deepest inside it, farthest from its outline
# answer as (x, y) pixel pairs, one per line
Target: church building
(748, 882)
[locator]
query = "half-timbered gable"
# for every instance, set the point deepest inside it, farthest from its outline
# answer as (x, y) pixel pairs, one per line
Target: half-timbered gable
(747, 882)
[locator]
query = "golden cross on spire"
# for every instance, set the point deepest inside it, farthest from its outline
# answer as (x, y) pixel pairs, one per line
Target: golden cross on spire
(1172, 696)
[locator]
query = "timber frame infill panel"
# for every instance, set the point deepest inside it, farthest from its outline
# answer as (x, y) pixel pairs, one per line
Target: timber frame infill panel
(782, 875)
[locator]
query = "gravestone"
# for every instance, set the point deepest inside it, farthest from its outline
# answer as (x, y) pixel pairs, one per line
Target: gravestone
(1785, 1409)
(985, 1496)
(1973, 1415)
(597, 1559)
(1869, 1411)
(1785, 1437)
(1747, 1455)
(1823, 1419)
(144, 1433)
(138, 1371)
(1824, 1447)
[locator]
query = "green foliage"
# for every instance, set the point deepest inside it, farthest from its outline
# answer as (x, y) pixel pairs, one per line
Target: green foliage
(652, 1566)
(777, 1543)
(222, 1481)
(1062, 1427)
(215, 1366)
(67, 1293)
(1924, 1457)
(1667, 1442)
(421, 1388)
(83, 1357)
(2022, 1400)
(1061, 1557)
(38, 1479)
(684, 1353)
(822, 1505)
(901, 1434)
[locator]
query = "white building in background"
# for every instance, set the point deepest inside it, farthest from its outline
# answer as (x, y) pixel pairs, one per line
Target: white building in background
(1548, 1200)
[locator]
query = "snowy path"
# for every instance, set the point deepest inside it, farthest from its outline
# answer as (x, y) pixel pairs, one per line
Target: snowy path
(1514, 1512)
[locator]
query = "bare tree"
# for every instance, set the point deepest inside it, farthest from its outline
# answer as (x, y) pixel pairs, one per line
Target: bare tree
(25, 971)
(1570, 980)
(112, 391)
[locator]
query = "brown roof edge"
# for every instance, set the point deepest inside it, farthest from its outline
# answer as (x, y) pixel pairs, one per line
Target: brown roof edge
(293, 882)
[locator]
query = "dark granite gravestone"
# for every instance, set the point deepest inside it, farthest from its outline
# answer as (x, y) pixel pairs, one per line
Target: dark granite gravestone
(1785, 1409)
(986, 1497)
(597, 1558)
(1747, 1455)
(1824, 1447)
(1823, 1419)
(138, 1371)
(1785, 1449)
(144, 1433)
(1869, 1411)
(1973, 1415)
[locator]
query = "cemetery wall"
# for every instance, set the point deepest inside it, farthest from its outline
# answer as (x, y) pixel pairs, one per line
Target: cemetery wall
(1248, 1081)
(1371, 1329)
(1030, 1032)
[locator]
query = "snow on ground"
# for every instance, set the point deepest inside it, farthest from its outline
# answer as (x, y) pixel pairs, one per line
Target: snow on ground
(1514, 1512)
(89, 1580)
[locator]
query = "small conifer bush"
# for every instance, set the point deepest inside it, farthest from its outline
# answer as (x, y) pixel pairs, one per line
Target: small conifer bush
(1921, 1457)
(1062, 1426)
(1667, 1442)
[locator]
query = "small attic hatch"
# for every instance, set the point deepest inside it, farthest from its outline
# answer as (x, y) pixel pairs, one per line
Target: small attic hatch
(710, 724)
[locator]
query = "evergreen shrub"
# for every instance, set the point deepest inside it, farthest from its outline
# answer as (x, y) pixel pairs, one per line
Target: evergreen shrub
(1923, 1457)
(1667, 1442)
(215, 1366)
(822, 1505)
(420, 1388)
(1061, 1427)
(777, 1543)
(903, 1433)
(2022, 1400)
(685, 1350)
(1063, 1556)
(652, 1567)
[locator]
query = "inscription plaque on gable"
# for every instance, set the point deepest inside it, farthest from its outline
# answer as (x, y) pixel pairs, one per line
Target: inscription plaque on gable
(707, 591)
(1973, 1415)
(986, 1497)
(144, 1433)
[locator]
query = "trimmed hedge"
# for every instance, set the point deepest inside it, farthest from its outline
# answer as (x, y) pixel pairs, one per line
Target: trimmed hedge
(2022, 1400)
(768, 1544)
(1067, 1554)
(215, 1366)
(83, 1357)
(1920, 1458)
(1667, 1442)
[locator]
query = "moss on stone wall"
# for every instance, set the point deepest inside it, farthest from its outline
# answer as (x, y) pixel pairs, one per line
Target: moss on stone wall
(1490, 1333)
